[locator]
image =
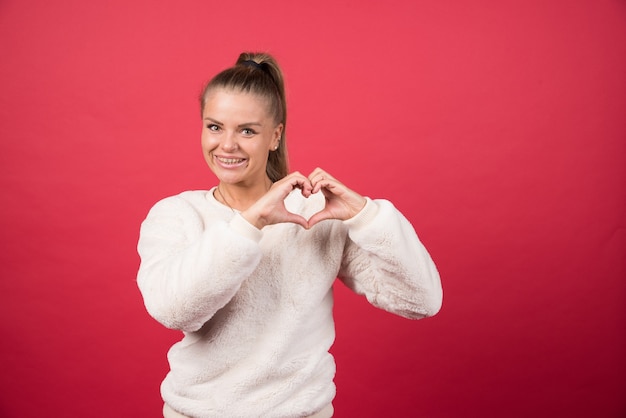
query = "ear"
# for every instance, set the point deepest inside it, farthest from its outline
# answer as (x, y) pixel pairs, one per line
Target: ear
(278, 133)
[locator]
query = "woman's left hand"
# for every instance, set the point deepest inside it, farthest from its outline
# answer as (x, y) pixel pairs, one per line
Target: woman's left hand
(341, 202)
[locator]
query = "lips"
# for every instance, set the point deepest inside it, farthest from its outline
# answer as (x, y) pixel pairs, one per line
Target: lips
(230, 161)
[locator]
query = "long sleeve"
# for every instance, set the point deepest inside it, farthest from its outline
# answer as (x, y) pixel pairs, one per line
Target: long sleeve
(385, 261)
(256, 306)
(189, 268)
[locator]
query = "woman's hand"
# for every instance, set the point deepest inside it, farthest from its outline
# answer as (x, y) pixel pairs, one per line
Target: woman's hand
(270, 209)
(341, 202)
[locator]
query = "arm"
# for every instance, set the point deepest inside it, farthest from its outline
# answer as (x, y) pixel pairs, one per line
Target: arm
(383, 257)
(385, 261)
(190, 270)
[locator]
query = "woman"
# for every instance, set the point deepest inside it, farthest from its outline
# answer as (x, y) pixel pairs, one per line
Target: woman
(246, 268)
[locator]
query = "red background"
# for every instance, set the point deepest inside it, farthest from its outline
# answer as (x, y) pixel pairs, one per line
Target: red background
(498, 128)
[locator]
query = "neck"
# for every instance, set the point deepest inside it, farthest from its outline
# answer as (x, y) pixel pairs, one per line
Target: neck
(241, 197)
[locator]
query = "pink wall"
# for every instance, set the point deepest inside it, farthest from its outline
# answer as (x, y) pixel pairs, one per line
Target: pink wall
(498, 128)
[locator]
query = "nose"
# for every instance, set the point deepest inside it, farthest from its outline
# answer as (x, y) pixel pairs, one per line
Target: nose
(229, 144)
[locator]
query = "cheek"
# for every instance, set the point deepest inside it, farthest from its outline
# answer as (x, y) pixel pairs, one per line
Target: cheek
(208, 141)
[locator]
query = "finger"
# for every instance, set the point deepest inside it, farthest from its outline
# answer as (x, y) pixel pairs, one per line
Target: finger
(304, 185)
(315, 172)
(297, 219)
(320, 173)
(318, 217)
(321, 179)
(292, 181)
(317, 184)
(328, 185)
(317, 175)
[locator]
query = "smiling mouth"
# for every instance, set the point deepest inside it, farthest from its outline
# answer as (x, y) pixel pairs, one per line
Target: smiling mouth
(230, 161)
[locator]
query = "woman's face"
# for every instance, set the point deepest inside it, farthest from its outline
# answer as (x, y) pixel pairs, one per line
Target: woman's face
(237, 134)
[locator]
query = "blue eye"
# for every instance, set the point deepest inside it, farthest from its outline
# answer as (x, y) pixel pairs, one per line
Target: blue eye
(213, 127)
(248, 131)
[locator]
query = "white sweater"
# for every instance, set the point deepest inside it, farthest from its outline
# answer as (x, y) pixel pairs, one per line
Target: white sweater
(255, 306)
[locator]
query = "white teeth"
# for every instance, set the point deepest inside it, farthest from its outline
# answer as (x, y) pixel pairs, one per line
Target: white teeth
(231, 160)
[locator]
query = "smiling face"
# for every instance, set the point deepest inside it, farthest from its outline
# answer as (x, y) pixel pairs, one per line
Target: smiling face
(238, 133)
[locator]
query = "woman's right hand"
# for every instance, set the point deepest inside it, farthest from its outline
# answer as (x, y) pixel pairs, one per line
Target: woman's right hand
(270, 209)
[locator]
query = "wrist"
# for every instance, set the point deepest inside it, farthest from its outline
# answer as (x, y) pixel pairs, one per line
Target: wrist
(364, 216)
(242, 226)
(254, 219)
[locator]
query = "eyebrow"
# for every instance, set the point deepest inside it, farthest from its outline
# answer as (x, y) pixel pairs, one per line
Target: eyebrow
(243, 125)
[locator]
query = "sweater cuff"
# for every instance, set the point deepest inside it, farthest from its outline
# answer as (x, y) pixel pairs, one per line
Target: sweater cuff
(365, 216)
(245, 228)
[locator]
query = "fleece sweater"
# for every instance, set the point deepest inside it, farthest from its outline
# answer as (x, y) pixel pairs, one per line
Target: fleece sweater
(255, 306)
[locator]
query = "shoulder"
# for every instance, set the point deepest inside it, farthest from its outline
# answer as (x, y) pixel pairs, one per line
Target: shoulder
(190, 198)
(187, 206)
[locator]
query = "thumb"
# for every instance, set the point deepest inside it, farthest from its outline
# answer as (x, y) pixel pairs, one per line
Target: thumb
(297, 219)
(319, 217)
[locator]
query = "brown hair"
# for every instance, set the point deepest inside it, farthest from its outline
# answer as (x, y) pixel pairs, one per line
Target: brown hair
(258, 73)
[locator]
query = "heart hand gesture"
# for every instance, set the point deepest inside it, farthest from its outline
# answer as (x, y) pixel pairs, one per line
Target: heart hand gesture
(341, 202)
(270, 209)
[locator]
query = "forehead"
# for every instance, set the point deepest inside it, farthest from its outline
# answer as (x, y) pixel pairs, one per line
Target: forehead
(228, 104)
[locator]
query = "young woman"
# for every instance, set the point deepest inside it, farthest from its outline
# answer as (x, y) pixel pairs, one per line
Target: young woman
(246, 268)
